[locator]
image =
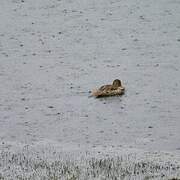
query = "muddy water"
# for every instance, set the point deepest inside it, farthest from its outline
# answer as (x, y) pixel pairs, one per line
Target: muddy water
(52, 53)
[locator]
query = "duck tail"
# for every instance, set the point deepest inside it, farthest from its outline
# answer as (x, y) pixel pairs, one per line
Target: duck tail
(96, 93)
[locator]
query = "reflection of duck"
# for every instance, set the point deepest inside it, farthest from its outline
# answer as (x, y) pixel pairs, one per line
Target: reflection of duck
(110, 90)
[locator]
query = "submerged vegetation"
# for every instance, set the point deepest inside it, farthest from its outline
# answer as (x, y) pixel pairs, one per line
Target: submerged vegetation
(38, 166)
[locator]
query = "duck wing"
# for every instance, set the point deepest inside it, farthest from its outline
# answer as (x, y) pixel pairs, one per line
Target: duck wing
(105, 88)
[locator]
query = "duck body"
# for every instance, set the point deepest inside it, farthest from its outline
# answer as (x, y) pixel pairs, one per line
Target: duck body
(109, 90)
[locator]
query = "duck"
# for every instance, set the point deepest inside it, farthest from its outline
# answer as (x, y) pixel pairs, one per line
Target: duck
(114, 89)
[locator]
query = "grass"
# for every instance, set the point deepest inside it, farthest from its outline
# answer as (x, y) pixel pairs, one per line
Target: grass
(37, 165)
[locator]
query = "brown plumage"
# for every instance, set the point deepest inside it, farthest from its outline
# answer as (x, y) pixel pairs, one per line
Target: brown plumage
(109, 90)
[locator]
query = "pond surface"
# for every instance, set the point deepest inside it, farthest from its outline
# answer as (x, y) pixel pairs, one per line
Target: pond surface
(53, 53)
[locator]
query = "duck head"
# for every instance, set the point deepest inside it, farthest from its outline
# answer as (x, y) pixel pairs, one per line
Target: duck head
(116, 83)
